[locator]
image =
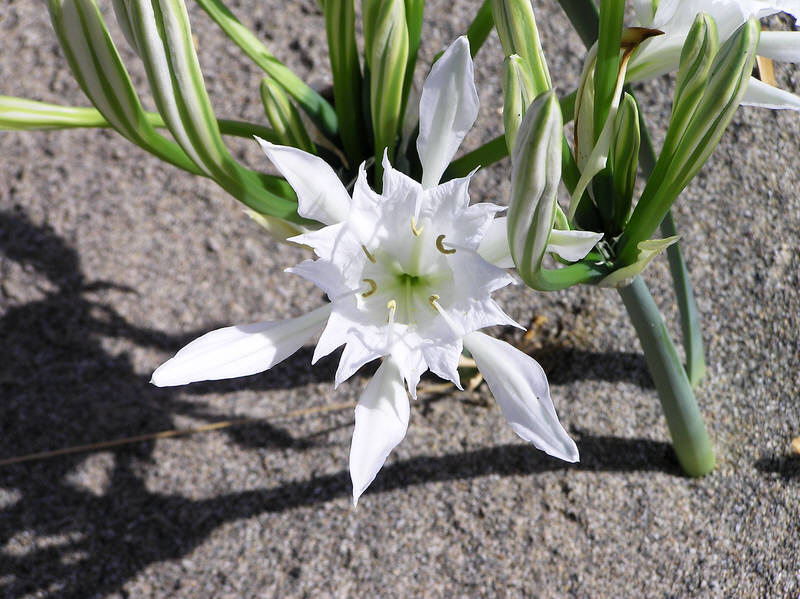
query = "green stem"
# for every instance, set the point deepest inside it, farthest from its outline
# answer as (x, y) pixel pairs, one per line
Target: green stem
(689, 437)
(687, 307)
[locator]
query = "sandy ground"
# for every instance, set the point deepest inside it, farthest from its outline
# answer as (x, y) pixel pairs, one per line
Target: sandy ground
(111, 261)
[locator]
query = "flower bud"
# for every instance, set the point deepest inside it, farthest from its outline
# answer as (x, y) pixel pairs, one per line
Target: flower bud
(516, 28)
(284, 117)
(535, 174)
(623, 158)
(386, 49)
(518, 93)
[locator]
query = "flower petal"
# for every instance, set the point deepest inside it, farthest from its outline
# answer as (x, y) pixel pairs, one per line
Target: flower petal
(320, 194)
(381, 422)
(447, 109)
(324, 275)
(239, 350)
(494, 246)
(763, 95)
(572, 245)
(783, 46)
(520, 387)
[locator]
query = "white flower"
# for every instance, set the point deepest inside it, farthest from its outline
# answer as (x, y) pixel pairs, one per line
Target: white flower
(661, 54)
(405, 284)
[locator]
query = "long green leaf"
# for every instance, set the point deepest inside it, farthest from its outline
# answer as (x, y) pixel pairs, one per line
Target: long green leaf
(314, 105)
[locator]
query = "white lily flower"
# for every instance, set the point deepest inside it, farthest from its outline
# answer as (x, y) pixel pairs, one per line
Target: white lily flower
(661, 54)
(405, 282)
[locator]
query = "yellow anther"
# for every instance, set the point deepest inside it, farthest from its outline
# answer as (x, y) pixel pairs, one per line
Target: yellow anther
(414, 230)
(391, 305)
(440, 246)
(432, 301)
(373, 287)
(370, 257)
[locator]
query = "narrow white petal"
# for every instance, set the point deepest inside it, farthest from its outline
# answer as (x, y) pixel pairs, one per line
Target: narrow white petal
(324, 275)
(239, 350)
(381, 422)
(572, 245)
(764, 95)
(356, 353)
(447, 109)
(320, 194)
(783, 46)
(520, 387)
(494, 245)
(324, 241)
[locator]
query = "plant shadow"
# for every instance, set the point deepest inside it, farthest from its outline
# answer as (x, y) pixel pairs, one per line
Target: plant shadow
(61, 387)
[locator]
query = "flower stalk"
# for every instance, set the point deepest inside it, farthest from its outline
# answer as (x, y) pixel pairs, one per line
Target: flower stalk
(689, 437)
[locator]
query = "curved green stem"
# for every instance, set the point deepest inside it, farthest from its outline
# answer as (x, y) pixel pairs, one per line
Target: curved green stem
(689, 437)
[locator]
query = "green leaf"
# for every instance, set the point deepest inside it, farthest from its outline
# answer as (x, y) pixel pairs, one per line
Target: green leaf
(607, 64)
(480, 28)
(315, 106)
(163, 35)
(96, 65)
(346, 71)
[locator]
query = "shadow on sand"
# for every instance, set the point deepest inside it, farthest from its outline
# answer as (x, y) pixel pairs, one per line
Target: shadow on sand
(60, 388)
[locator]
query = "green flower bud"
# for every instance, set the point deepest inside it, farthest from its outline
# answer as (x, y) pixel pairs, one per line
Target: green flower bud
(518, 93)
(284, 117)
(386, 41)
(623, 158)
(516, 27)
(535, 174)
(727, 81)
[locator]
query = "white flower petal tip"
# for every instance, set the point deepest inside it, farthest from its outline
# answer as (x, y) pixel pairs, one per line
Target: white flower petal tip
(382, 417)
(572, 245)
(239, 350)
(520, 387)
(448, 108)
(320, 194)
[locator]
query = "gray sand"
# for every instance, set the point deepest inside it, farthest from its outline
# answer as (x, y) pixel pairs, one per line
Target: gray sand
(111, 261)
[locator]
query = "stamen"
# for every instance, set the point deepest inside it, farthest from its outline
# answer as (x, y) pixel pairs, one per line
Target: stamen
(391, 305)
(432, 301)
(370, 257)
(451, 323)
(373, 287)
(440, 246)
(414, 230)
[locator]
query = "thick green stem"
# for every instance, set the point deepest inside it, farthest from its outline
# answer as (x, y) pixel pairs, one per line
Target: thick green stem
(689, 437)
(687, 308)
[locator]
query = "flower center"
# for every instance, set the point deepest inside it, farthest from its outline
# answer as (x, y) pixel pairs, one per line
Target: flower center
(404, 273)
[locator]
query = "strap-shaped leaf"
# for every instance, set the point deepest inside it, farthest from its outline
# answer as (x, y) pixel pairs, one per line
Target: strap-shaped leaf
(346, 71)
(163, 36)
(315, 106)
(96, 65)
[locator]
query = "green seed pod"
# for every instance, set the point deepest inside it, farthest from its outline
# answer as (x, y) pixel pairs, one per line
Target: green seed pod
(518, 93)
(623, 158)
(284, 117)
(535, 174)
(516, 27)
